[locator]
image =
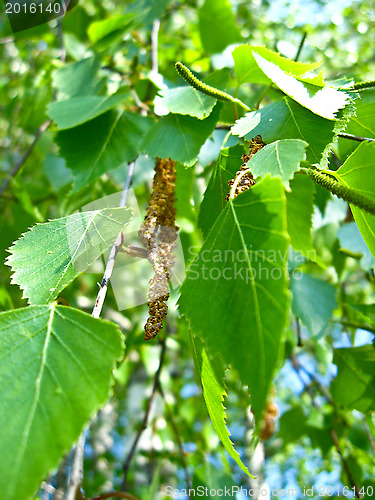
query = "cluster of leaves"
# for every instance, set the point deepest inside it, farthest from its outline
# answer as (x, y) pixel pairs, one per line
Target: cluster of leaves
(260, 267)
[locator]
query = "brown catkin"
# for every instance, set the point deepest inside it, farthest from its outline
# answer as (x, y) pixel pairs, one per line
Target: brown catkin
(269, 421)
(158, 234)
(247, 179)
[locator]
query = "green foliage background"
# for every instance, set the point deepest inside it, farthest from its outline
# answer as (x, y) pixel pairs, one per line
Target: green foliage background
(113, 95)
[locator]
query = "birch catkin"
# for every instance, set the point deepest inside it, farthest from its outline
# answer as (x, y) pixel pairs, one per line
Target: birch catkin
(244, 178)
(158, 234)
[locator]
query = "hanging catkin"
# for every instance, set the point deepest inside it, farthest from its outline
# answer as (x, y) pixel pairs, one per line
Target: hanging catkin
(244, 178)
(269, 421)
(158, 234)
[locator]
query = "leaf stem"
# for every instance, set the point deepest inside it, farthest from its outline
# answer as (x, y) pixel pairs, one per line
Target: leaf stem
(262, 95)
(178, 437)
(154, 46)
(43, 127)
(300, 47)
(297, 368)
(357, 138)
(78, 456)
(27, 153)
(226, 138)
(329, 182)
(345, 463)
(192, 80)
(359, 326)
(370, 430)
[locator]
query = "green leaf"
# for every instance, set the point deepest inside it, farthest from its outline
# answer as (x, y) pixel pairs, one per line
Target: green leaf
(286, 119)
(247, 69)
(56, 172)
(55, 374)
(366, 312)
(351, 239)
(235, 292)
(211, 373)
(49, 256)
(354, 385)
(185, 101)
(102, 144)
(324, 101)
(213, 481)
(320, 438)
(185, 178)
(114, 25)
(148, 10)
(228, 163)
(33, 104)
(300, 208)
(79, 78)
(78, 110)
(292, 425)
(180, 137)
(313, 301)
(357, 168)
(217, 26)
(279, 159)
(188, 100)
(362, 123)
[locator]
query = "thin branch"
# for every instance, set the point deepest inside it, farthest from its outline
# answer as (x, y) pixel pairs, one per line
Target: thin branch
(357, 138)
(76, 474)
(8, 39)
(358, 326)
(47, 488)
(61, 478)
(115, 494)
(222, 126)
(262, 95)
(179, 439)
(321, 388)
(27, 153)
(298, 328)
(369, 434)
(61, 40)
(143, 425)
(44, 126)
(144, 108)
(345, 463)
(306, 387)
(77, 466)
(154, 46)
(297, 367)
(301, 44)
(349, 253)
(114, 250)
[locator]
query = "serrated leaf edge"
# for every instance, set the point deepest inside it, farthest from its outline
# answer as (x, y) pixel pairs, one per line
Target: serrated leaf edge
(9, 260)
(53, 307)
(231, 451)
